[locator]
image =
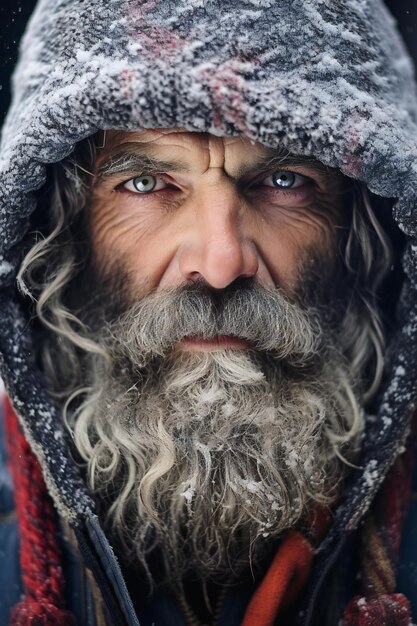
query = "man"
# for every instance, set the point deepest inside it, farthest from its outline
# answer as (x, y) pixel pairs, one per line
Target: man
(208, 336)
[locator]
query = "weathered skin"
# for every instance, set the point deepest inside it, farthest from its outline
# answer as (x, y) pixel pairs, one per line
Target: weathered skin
(330, 80)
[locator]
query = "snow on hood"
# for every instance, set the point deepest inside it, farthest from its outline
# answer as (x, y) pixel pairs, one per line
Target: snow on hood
(327, 78)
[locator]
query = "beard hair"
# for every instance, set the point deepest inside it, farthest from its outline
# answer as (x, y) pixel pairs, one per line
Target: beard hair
(203, 458)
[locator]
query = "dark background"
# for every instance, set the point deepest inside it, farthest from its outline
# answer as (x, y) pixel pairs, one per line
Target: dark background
(15, 13)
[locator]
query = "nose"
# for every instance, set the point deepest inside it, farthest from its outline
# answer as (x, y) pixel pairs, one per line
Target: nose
(216, 246)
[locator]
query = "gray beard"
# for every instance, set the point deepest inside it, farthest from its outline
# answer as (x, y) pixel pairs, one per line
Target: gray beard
(205, 457)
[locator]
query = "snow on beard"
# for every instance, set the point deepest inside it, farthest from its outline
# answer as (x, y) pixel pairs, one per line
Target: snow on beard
(206, 455)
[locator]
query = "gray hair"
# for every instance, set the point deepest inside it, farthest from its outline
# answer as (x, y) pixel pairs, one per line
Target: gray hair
(365, 257)
(316, 420)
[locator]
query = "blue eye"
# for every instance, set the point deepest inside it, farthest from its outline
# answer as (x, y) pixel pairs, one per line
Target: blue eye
(141, 184)
(287, 180)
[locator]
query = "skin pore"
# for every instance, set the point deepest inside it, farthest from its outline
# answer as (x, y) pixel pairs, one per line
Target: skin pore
(217, 209)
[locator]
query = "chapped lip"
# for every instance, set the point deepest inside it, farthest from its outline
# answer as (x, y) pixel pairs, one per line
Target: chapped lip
(217, 342)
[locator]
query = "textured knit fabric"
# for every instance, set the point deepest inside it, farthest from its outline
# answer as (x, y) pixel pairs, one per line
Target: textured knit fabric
(381, 538)
(327, 78)
(386, 610)
(41, 558)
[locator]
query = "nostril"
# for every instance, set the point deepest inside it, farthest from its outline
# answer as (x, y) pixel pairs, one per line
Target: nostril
(196, 277)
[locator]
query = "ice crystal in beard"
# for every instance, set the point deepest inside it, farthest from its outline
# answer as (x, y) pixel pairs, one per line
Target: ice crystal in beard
(216, 459)
(206, 455)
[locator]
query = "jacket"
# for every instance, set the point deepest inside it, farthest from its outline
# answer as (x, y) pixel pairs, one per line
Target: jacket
(327, 79)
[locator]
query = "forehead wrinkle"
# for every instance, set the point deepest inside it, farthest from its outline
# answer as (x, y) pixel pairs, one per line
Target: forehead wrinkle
(133, 157)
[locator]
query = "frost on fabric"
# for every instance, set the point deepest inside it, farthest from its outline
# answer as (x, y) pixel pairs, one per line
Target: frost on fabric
(265, 4)
(371, 473)
(5, 268)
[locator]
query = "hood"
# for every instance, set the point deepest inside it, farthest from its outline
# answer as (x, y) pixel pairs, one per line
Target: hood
(327, 78)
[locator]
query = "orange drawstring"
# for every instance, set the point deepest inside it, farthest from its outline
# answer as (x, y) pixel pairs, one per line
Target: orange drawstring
(285, 578)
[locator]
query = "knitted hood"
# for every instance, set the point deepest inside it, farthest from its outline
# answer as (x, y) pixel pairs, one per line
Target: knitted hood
(327, 78)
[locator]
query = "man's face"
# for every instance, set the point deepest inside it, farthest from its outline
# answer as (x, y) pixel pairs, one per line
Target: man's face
(173, 207)
(223, 406)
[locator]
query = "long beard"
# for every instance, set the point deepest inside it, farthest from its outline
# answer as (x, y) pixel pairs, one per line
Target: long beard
(204, 457)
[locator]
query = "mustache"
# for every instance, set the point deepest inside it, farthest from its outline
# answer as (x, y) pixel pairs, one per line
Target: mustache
(264, 317)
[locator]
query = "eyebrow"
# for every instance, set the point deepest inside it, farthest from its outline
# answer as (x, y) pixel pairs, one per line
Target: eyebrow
(127, 162)
(137, 160)
(280, 157)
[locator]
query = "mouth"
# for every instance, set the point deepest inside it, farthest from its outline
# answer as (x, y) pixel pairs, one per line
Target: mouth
(219, 342)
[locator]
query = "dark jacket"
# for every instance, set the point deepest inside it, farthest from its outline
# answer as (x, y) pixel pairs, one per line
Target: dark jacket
(328, 79)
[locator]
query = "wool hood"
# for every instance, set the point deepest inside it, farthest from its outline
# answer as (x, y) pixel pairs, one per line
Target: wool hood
(326, 78)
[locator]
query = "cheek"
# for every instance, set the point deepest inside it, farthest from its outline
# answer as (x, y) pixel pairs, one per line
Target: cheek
(290, 233)
(139, 241)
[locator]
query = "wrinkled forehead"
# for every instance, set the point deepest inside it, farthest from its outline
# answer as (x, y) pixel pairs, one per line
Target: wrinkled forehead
(184, 143)
(186, 150)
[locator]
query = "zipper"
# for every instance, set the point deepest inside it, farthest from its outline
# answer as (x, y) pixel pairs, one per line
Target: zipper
(219, 607)
(190, 616)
